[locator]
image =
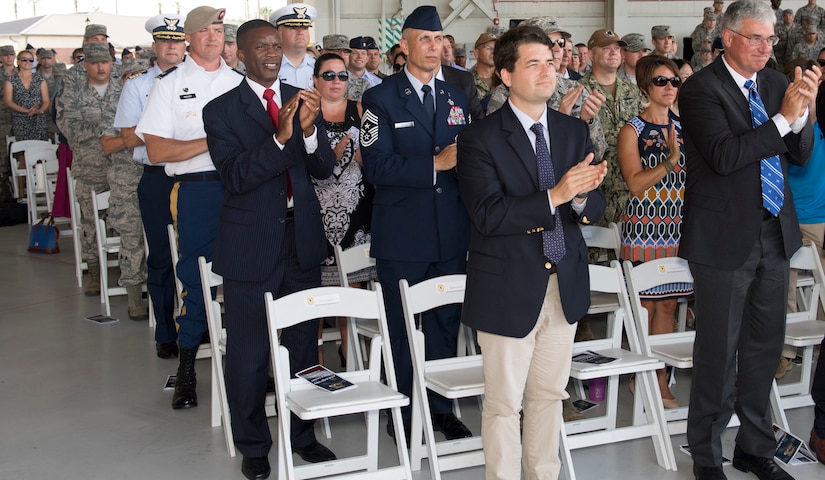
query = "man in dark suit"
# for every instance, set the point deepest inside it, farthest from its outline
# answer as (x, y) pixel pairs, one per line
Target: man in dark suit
(270, 237)
(420, 228)
(741, 268)
(525, 176)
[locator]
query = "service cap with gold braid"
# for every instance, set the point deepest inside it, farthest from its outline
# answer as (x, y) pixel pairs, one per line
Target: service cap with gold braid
(166, 27)
(294, 15)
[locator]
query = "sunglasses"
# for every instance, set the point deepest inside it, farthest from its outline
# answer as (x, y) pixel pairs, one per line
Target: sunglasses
(821, 62)
(79, 58)
(397, 67)
(330, 76)
(661, 81)
(27, 60)
(557, 41)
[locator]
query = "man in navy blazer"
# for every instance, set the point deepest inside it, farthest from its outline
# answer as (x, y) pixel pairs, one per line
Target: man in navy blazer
(267, 241)
(523, 301)
(420, 228)
(737, 247)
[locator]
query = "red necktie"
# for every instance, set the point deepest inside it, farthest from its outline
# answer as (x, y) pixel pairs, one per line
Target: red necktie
(272, 110)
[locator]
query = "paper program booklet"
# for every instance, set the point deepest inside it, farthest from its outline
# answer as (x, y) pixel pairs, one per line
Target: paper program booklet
(790, 449)
(325, 379)
(592, 357)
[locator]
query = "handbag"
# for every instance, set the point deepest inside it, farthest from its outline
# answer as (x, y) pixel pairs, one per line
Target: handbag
(43, 237)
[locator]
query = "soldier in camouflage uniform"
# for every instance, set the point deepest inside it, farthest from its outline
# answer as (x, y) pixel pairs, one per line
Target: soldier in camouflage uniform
(6, 70)
(124, 210)
(83, 114)
(76, 78)
(813, 11)
(569, 97)
(796, 35)
(809, 49)
(703, 31)
(783, 30)
(484, 49)
(621, 104)
(339, 45)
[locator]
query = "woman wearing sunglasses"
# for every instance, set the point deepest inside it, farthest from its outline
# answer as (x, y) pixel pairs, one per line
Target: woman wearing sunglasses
(652, 161)
(346, 197)
(27, 95)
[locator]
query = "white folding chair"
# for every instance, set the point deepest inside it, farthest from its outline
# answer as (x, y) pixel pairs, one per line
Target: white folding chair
(676, 348)
(204, 351)
(39, 185)
(217, 343)
(608, 238)
(358, 330)
(310, 403)
(453, 378)
(603, 429)
(803, 329)
(106, 246)
(74, 206)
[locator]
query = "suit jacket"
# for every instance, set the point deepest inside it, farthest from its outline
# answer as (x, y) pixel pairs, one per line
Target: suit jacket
(413, 218)
(464, 81)
(723, 211)
(506, 269)
(252, 218)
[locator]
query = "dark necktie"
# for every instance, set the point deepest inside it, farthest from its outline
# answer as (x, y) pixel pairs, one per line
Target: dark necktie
(272, 110)
(429, 105)
(773, 191)
(552, 240)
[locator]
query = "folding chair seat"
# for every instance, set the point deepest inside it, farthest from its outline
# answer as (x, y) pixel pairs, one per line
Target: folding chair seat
(79, 265)
(676, 348)
(803, 329)
(453, 378)
(106, 246)
(603, 429)
(217, 344)
(358, 330)
(310, 403)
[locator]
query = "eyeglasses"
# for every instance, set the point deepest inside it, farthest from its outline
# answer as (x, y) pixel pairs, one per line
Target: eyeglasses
(661, 81)
(757, 40)
(557, 41)
(491, 48)
(330, 76)
(78, 58)
(397, 67)
(821, 62)
(27, 60)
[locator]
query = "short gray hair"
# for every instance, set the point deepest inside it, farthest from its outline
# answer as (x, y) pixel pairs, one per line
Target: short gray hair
(742, 10)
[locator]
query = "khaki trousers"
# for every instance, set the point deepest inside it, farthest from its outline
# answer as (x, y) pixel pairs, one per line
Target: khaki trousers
(534, 369)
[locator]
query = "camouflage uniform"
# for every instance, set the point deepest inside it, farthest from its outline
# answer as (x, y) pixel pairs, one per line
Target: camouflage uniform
(76, 77)
(816, 13)
(700, 33)
(808, 52)
(356, 88)
(481, 86)
(784, 48)
(83, 116)
(563, 85)
(615, 112)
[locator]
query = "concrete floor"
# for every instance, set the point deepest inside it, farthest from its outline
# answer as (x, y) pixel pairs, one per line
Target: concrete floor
(85, 401)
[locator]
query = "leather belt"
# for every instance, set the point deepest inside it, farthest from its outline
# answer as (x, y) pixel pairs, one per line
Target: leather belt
(154, 169)
(198, 177)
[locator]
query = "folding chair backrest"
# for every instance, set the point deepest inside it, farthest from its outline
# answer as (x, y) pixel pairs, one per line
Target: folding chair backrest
(807, 259)
(433, 293)
(602, 237)
(611, 280)
(352, 260)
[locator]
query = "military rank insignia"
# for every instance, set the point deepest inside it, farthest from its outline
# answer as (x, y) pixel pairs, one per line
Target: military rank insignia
(369, 129)
(456, 116)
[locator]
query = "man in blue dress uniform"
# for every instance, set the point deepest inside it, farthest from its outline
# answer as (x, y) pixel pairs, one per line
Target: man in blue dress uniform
(420, 228)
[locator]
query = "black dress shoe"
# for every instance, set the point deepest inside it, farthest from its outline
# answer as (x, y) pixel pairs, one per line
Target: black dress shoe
(708, 473)
(450, 426)
(315, 453)
(763, 467)
(167, 350)
(255, 468)
(407, 430)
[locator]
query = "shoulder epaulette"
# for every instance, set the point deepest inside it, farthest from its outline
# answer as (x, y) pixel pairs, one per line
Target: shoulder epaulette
(167, 72)
(136, 74)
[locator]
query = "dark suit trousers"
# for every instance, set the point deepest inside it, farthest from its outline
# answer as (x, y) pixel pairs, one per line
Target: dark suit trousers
(740, 328)
(153, 196)
(818, 393)
(247, 349)
(440, 325)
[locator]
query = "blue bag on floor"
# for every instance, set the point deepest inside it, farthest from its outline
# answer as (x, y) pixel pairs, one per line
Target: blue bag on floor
(43, 237)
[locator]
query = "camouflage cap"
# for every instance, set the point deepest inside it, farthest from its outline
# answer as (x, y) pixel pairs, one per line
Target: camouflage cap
(787, 11)
(96, 52)
(486, 37)
(496, 30)
(459, 52)
(93, 29)
(230, 32)
(201, 17)
(605, 37)
(635, 42)
(547, 24)
(708, 10)
(661, 31)
(336, 42)
(45, 53)
(810, 29)
(709, 16)
(704, 49)
(133, 66)
(7, 50)
(146, 53)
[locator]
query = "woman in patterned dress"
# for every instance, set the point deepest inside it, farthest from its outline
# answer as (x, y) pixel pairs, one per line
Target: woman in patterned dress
(652, 160)
(345, 197)
(27, 95)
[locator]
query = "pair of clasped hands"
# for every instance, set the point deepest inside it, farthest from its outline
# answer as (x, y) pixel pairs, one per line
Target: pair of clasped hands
(307, 113)
(800, 93)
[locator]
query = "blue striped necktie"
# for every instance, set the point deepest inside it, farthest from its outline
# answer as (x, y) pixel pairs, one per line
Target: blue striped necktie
(552, 240)
(773, 190)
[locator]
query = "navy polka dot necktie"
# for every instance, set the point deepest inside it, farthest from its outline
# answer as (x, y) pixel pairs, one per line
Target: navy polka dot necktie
(773, 192)
(552, 239)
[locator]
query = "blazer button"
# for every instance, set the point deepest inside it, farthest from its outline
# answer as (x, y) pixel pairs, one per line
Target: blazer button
(437, 149)
(438, 190)
(281, 220)
(548, 265)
